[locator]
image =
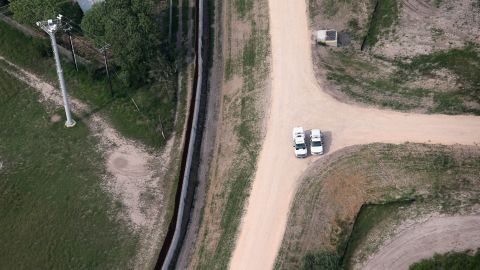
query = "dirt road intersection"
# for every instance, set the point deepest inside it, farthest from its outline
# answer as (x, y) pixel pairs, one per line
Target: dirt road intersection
(298, 100)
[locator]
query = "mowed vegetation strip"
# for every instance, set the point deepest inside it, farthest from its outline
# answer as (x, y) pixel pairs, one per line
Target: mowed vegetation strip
(440, 179)
(55, 213)
(156, 101)
(242, 114)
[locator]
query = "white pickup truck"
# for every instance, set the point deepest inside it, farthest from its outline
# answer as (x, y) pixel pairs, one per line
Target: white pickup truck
(316, 142)
(299, 142)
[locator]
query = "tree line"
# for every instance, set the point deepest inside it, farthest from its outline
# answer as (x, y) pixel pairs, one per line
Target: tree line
(128, 26)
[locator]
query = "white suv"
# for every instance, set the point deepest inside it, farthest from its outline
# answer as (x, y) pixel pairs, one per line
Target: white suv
(299, 142)
(316, 142)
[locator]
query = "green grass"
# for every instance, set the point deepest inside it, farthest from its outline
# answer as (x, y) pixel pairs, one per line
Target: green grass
(185, 17)
(331, 7)
(449, 261)
(312, 9)
(368, 217)
(243, 7)
(156, 101)
(438, 3)
(320, 260)
(464, 63)
(385, 16)
(55, 213)
(358, 78)
(175, 19)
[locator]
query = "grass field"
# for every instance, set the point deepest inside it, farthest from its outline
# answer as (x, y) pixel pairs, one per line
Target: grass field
(156, 102)
(55, 214)
(440, 179)
(387, 59)
(359, 79)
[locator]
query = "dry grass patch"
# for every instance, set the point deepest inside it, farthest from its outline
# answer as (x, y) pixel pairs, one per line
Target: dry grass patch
(440, 179)
(415, 56)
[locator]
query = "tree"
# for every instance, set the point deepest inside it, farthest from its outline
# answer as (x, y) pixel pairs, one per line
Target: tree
(130, 28)
(4, 2)
(32, 11)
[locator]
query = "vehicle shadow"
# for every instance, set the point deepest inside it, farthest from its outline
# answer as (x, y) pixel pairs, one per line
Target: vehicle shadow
(327, 141)
(308, 132)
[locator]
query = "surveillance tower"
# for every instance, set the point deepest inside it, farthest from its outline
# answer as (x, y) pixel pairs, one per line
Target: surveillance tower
(51, 27)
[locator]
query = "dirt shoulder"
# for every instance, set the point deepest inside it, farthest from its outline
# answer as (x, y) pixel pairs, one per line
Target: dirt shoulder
(432, 182)
(239, 79)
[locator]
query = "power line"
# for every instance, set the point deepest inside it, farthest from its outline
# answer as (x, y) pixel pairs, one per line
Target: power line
(82, 31)
(68, 30)
(104, 49)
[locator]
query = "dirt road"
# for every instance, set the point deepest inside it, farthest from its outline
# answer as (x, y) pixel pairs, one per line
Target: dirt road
(437, 235)
(297, 99)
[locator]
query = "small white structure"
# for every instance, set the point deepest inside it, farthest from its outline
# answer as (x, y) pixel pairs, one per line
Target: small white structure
(327, 37)
(86, 5)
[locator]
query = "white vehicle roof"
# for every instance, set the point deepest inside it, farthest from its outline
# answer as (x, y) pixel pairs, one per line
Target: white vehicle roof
(316, 133)
(298, 131)
(299, 140)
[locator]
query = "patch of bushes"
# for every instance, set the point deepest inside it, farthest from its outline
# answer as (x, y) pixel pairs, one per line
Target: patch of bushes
(32, 11)
(385, 15)
(449, 261)
(360, 80)
(321, 260)
(131, 30)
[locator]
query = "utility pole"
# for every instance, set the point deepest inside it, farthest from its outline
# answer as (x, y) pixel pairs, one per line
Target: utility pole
(105, 58)
(51, 27)
(68, 30)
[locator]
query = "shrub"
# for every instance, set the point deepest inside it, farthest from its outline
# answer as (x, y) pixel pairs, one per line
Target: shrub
(321, 260)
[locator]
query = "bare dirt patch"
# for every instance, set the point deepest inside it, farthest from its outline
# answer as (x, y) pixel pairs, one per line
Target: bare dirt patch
(423, 240)
(136, 174)
(424, 27)
(55, 118)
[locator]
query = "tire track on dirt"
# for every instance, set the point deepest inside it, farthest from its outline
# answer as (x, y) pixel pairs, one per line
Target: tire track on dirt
(436, 235)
